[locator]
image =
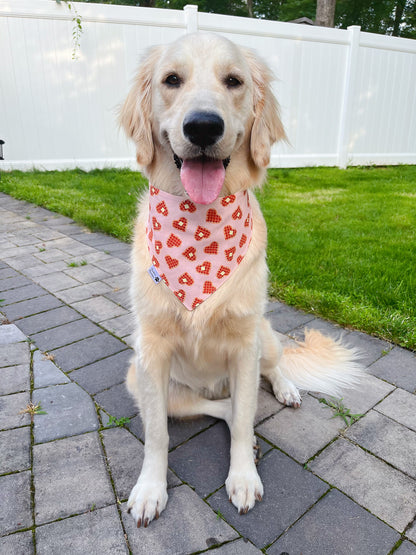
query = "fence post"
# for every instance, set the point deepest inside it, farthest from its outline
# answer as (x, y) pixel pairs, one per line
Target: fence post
(348, 94)
(191, 18)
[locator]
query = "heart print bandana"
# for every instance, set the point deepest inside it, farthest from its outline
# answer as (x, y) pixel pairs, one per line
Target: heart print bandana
(195, 248)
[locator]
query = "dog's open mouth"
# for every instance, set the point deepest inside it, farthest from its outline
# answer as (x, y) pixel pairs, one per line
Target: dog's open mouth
(202, 177)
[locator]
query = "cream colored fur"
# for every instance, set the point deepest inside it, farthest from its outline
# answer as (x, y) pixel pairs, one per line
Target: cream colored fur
(209, 361)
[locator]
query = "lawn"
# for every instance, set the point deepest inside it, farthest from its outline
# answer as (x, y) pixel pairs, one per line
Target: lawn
(342, 243)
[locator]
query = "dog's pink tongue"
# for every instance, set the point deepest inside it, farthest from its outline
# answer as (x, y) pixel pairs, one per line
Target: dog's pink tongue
(203, 179)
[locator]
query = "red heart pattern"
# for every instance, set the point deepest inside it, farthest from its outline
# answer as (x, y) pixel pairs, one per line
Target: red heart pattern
(212, 248)
(201, 233)
(171, 262)
(187, 206)
(185, 279)
(173, 241)
(208, 288)
(161, 208)
(208, 242)
(204, 268)
(213, 217)
(180, 224)
(229, 232)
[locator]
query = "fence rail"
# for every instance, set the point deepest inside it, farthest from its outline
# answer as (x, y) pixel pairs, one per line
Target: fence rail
(347, 97)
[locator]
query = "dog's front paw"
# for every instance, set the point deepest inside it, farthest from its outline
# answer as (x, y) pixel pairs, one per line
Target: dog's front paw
(147, 501)
(244, 489)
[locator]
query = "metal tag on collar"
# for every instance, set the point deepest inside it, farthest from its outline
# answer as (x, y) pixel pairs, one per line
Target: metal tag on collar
(154, 274)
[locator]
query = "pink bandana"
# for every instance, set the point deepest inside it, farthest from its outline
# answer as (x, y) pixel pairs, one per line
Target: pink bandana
(195, 247)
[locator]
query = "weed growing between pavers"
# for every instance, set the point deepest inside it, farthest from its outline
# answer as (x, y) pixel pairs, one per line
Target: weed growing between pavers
(341, 411)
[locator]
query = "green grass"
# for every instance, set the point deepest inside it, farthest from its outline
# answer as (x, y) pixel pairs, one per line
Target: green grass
(342, 243)
(102, 200)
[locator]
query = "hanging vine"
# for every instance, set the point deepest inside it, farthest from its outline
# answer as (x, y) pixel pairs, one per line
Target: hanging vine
(77, 29)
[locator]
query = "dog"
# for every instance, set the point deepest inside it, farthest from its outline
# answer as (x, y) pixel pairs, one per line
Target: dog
(203, 118)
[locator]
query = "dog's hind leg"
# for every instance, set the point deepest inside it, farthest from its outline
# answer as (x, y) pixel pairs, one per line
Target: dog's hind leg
(284, 390)
(183, 402)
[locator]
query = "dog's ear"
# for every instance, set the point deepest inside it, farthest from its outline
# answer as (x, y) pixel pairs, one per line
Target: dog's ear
(136, 113)
(267, 127)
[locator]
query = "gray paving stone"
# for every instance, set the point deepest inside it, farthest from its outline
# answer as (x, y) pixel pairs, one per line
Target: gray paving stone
(117, 402)
(13, 282)
(14, 379)
(17, 544)
(121, 297)
(18, 251)
(336, 525)
(406, 548)
(289, 490)
(384, 491)
(118, 282)
(9, 333)
(186, 525)
(203, 461)
(267, 405)
(70, 477)
(179, 430)
(366, 395)
(10, 407)
(31, 306)
(95, 532)
(46, 234)
(397, 367)
(87, 274)
(238, 547)
(284, 318)
(400, 406)
(22, 294)
(15, 505)
(302, 432)
(13, 354)
(7, 272)
(411, 533)
(15, 450)
(45, 372)
(44, 268)
(103, 374)
(121, 326)
(113, 266)
(82, 292)
(56, 281)
(51, 255)
(48, 319)
(370, 348)
(69, 411)
(65, 334)
(388, 440)
(99, 308)
(125, 457)
(92, 239)
(87, 351)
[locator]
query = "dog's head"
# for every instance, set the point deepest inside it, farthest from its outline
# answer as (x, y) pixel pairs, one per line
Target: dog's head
(204, 107)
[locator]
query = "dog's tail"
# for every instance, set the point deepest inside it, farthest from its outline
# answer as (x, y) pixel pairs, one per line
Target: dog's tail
(322, 364)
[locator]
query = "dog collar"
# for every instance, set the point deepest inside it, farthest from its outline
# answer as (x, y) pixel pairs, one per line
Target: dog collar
(195, 248)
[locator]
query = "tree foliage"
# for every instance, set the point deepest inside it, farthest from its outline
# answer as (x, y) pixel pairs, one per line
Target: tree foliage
(388, 17)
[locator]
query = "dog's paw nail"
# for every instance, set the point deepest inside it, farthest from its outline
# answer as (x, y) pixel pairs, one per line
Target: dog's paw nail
(129, 510)
(146, 522)
(157, 515)
(259, 497)
(139, 523)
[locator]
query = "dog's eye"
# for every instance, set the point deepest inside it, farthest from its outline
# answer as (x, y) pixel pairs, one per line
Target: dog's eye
(232, 82)
(173, 80)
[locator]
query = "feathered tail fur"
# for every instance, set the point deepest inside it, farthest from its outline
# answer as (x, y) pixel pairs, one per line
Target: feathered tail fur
(323, 364)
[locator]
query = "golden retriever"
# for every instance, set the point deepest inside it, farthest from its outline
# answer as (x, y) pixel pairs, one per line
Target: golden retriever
(203, 118)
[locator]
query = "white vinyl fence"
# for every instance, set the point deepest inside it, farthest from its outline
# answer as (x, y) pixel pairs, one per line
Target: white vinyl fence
(347, 97)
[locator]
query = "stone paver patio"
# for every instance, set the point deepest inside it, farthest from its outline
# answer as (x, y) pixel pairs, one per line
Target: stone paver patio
(65, 475)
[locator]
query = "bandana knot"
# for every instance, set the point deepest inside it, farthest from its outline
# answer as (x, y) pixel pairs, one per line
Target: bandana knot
(195, 248)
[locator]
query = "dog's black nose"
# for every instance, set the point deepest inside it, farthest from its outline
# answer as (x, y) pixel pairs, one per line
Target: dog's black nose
(203, 128)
